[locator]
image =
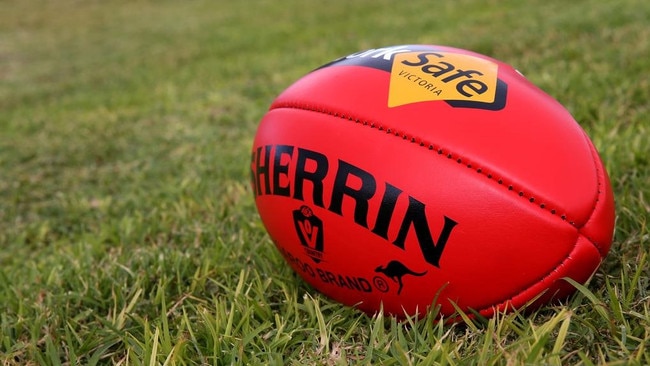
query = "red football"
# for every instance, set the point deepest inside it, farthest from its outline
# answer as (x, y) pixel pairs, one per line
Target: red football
(414, 176)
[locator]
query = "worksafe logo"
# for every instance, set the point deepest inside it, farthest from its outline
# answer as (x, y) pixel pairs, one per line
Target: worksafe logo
(424, 73)
(427, 76)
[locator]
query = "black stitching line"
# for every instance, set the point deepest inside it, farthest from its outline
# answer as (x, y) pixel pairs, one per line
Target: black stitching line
(599, 193)
(503, 305)
(431, 146)
(459, 160)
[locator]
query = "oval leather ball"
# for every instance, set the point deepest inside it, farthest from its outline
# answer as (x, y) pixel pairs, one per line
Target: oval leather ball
(413, 176)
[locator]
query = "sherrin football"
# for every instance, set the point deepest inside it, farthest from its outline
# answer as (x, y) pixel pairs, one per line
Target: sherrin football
(415, 177)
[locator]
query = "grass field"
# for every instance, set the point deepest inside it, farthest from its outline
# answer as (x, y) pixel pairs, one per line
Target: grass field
(128, 232)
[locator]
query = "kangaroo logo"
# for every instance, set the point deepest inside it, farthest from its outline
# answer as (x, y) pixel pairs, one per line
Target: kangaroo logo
(310, 232)
(395, 270)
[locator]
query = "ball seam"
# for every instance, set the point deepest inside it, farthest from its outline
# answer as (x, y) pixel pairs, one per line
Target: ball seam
(439, 149)
(511, 300)
(597, 200)
(443, 152)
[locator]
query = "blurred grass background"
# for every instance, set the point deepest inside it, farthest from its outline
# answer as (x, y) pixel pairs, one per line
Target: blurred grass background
(128, 234)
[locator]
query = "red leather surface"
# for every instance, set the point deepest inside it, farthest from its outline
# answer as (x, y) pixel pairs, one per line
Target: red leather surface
(528, 193)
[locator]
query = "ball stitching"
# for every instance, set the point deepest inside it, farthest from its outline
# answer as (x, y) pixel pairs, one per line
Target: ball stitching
(429, 146)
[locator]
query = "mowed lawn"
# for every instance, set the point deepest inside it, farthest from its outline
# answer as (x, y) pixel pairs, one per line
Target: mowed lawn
(128, 230)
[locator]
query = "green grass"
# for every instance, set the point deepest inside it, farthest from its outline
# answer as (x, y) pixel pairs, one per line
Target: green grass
(128, 232)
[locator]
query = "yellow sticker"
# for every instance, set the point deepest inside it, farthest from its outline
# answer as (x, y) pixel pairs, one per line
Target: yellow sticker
(429, 75)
